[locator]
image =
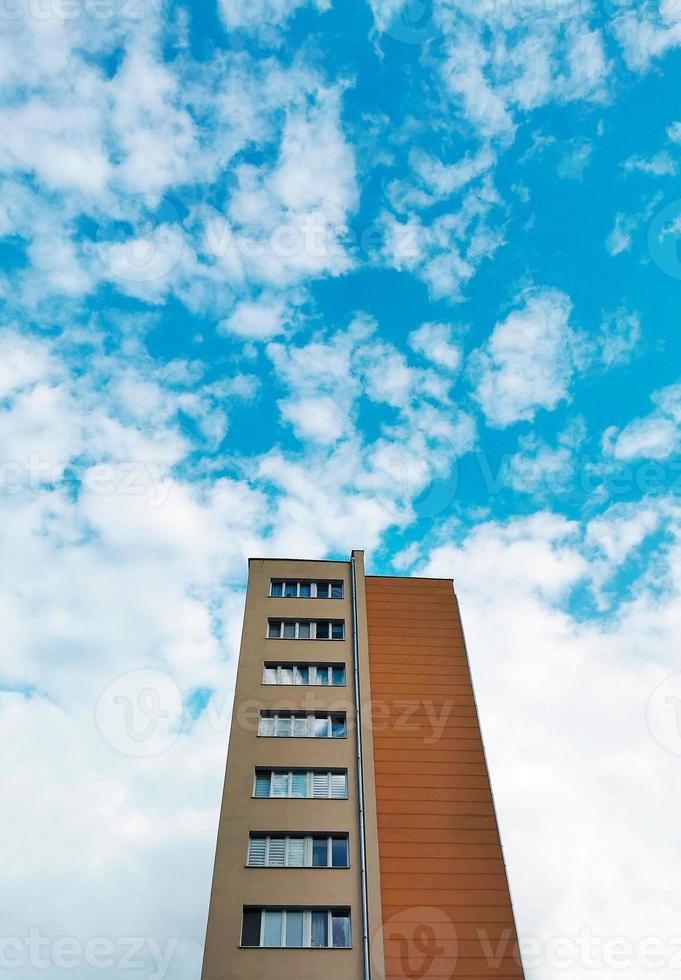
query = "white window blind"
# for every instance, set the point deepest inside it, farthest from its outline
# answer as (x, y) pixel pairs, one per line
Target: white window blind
(257, 852)
(298, 851)
(300, 784)
(320, 785)
(277, 852)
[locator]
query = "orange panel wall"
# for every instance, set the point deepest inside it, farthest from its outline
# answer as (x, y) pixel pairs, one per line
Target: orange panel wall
(446, 905)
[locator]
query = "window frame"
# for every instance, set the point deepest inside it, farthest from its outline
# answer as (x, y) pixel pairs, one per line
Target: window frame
(337, 911)
(309, 783)
(332, 585)
(312, 717)
(309, 837)
(313, 674)
(334, 624)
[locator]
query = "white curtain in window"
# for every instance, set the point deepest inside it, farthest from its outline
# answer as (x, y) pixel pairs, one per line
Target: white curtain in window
(273, 922)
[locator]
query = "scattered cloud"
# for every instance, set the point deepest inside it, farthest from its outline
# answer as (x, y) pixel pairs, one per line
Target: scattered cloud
(659, 165)
(653, 436)
(528, 361)
(437, 343)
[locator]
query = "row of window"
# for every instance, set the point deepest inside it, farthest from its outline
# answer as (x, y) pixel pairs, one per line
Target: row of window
(303, 928)
(298, 851)
(300, 928)
(287, 589)
(305, 629)
(298, 784)
(298, 724)
(316, 674)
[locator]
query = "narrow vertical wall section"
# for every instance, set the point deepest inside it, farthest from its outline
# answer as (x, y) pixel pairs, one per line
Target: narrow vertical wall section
(446, 907)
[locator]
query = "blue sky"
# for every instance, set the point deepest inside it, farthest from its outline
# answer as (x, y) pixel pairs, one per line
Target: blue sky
(287, 277)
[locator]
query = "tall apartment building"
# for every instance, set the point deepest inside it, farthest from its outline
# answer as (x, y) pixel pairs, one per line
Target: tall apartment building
(357, 837)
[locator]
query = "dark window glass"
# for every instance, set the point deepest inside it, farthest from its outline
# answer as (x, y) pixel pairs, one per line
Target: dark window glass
(337, 632)
(304, 675)
(340, 929)
(339, 852)
(338, 726)
(303, 631)
(250, 932)
(277, 588)
(275, 628)
(320, 856)
(304, 590)
(339, 676)
(323, 630)
(289, 631)
(291, 590)
(337, 590)
(322, 590)
(323, 676)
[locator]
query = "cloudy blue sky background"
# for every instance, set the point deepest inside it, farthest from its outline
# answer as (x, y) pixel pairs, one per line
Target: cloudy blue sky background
(290, 278)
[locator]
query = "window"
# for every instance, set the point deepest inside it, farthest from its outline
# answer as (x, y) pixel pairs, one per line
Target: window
(289, 724)
(305, 629)
(298, 851)
(305, 928)
(288, 589)
(306, 674)
(301, 784)
(320, 852)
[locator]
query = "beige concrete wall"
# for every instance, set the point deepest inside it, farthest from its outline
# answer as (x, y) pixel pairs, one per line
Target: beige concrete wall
(235, 885)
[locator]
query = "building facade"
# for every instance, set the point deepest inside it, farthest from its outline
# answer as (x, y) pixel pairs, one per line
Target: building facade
(357, 836)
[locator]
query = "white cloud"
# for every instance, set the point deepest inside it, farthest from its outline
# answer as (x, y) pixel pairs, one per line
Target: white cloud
(436, 342)
(321, 419)
(260, 16)
(574, 162)
(528, 361)
(659, 165)
(648, 33)
(286, 222)
(544, 470)
(654, 436)
(257, 319)
(621, 238)
(674, 132)
(501, 61)
(447, 251)
(515, 582)
(620, 334)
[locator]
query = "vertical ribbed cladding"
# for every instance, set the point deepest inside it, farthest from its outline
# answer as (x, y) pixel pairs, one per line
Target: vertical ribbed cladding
(443, 882)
